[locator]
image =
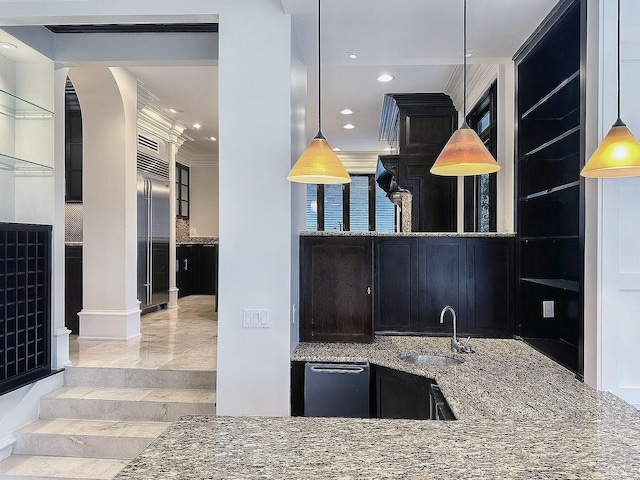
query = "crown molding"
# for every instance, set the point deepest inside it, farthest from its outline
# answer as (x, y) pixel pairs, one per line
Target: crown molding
(479, 78)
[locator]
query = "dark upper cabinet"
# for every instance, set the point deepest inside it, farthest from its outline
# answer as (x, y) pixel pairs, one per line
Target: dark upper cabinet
(550, 149)
(336, 289)
(421, 124)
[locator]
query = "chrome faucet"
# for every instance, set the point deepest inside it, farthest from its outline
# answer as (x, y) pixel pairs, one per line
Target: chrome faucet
(456, 346)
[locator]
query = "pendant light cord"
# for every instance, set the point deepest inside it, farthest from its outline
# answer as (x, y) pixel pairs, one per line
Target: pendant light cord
(464, 54)
(618, 59)
(319, 77)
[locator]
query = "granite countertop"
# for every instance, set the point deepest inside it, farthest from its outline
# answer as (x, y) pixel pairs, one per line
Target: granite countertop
(520, 416)
(336, 233)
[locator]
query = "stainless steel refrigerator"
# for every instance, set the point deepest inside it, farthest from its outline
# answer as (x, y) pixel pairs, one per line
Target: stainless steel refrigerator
(153, 243)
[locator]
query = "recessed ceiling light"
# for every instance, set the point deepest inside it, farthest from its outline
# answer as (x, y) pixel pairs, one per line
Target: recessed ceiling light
(352, 54)
(346, 111)
(213, 139)
(385, 77)
(348, 126)
(336, 149)
(176, 110)
(8, 46)
(197, 126)
(471, 53)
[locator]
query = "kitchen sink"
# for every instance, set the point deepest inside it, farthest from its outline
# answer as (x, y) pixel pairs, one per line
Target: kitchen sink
(432, 359)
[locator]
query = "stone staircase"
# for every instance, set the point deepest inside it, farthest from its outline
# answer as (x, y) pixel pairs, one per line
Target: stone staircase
(103, 418)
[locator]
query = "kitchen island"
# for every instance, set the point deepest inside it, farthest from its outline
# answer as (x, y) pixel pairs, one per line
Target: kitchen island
(520, 416)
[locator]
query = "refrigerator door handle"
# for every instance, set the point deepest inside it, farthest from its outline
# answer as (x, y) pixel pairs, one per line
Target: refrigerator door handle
(149, 234)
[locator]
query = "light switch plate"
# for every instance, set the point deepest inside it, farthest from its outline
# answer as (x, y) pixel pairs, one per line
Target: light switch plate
(255, 318)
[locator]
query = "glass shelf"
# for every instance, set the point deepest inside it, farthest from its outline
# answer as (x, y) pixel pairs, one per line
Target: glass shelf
(550, 191)
(538, 110)
(18, 108)
(552, 142)
(23, 167)
(562, 284)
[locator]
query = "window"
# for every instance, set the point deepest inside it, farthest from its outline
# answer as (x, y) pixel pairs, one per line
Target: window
(73, 146)
(357, 206)
(480, 191)
(182, 191)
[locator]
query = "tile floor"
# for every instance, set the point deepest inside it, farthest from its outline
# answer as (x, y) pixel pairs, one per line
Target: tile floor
(183, 338)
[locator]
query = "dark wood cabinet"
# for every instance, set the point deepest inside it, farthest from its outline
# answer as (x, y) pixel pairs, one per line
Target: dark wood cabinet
(73, 287)
(336, 289)
(196, 269)
(489, 291)
(417, 277)
(421, 124)
(550, 109)
(396, 275)
(401, 395)
(441, 282)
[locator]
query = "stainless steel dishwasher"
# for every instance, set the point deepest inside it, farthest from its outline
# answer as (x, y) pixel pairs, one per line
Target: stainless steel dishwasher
(336, 390)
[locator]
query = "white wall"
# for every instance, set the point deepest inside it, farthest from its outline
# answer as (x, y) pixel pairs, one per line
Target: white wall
(19, 407)
(299, 142)
(479, 78)
(619, 221)
(255, 209)
(204, 202)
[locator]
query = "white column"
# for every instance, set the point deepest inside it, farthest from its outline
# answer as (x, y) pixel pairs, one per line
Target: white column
(108, 99)
(60, 333)
(173, 289)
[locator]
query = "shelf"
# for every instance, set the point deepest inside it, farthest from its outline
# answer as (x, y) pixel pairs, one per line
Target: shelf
(19, 108)
(559, 283)
(552, 141)
(538, 107)
(24, 167)
(550, 191)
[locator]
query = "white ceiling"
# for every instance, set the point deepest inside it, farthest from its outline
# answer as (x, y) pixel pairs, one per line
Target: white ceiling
(419, 42)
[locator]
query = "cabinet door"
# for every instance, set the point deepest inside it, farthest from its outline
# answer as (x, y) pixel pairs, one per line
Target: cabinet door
(396, 298)
(490, 286)
(441, 263)
(401, 395)
(183, 270)
(73, 287)
(336, 289)
(434, 202)
(203, 269)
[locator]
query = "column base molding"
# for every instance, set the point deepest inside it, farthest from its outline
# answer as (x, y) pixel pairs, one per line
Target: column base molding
(109, 324)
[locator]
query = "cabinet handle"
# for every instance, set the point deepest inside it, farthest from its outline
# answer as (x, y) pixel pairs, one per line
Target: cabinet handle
(186, 264)
(368, 290)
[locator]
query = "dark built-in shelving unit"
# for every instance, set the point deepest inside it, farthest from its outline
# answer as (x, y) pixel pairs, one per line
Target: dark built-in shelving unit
(25, 305)
(550, 192)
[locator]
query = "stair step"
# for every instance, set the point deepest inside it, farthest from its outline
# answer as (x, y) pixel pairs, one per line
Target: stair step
(139, 377)
(110, 403)
(33, 467)
(87, 438)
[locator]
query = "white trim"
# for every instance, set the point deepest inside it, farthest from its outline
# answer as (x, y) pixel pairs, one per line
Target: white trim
(6, 446)
(109, 324)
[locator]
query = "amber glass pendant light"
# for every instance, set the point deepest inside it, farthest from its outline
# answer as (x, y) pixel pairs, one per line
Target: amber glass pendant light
(318, 163)
(464, 154)
(619, 153)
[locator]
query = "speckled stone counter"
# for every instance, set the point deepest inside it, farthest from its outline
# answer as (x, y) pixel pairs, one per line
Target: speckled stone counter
(520, 416)
(336, 233)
